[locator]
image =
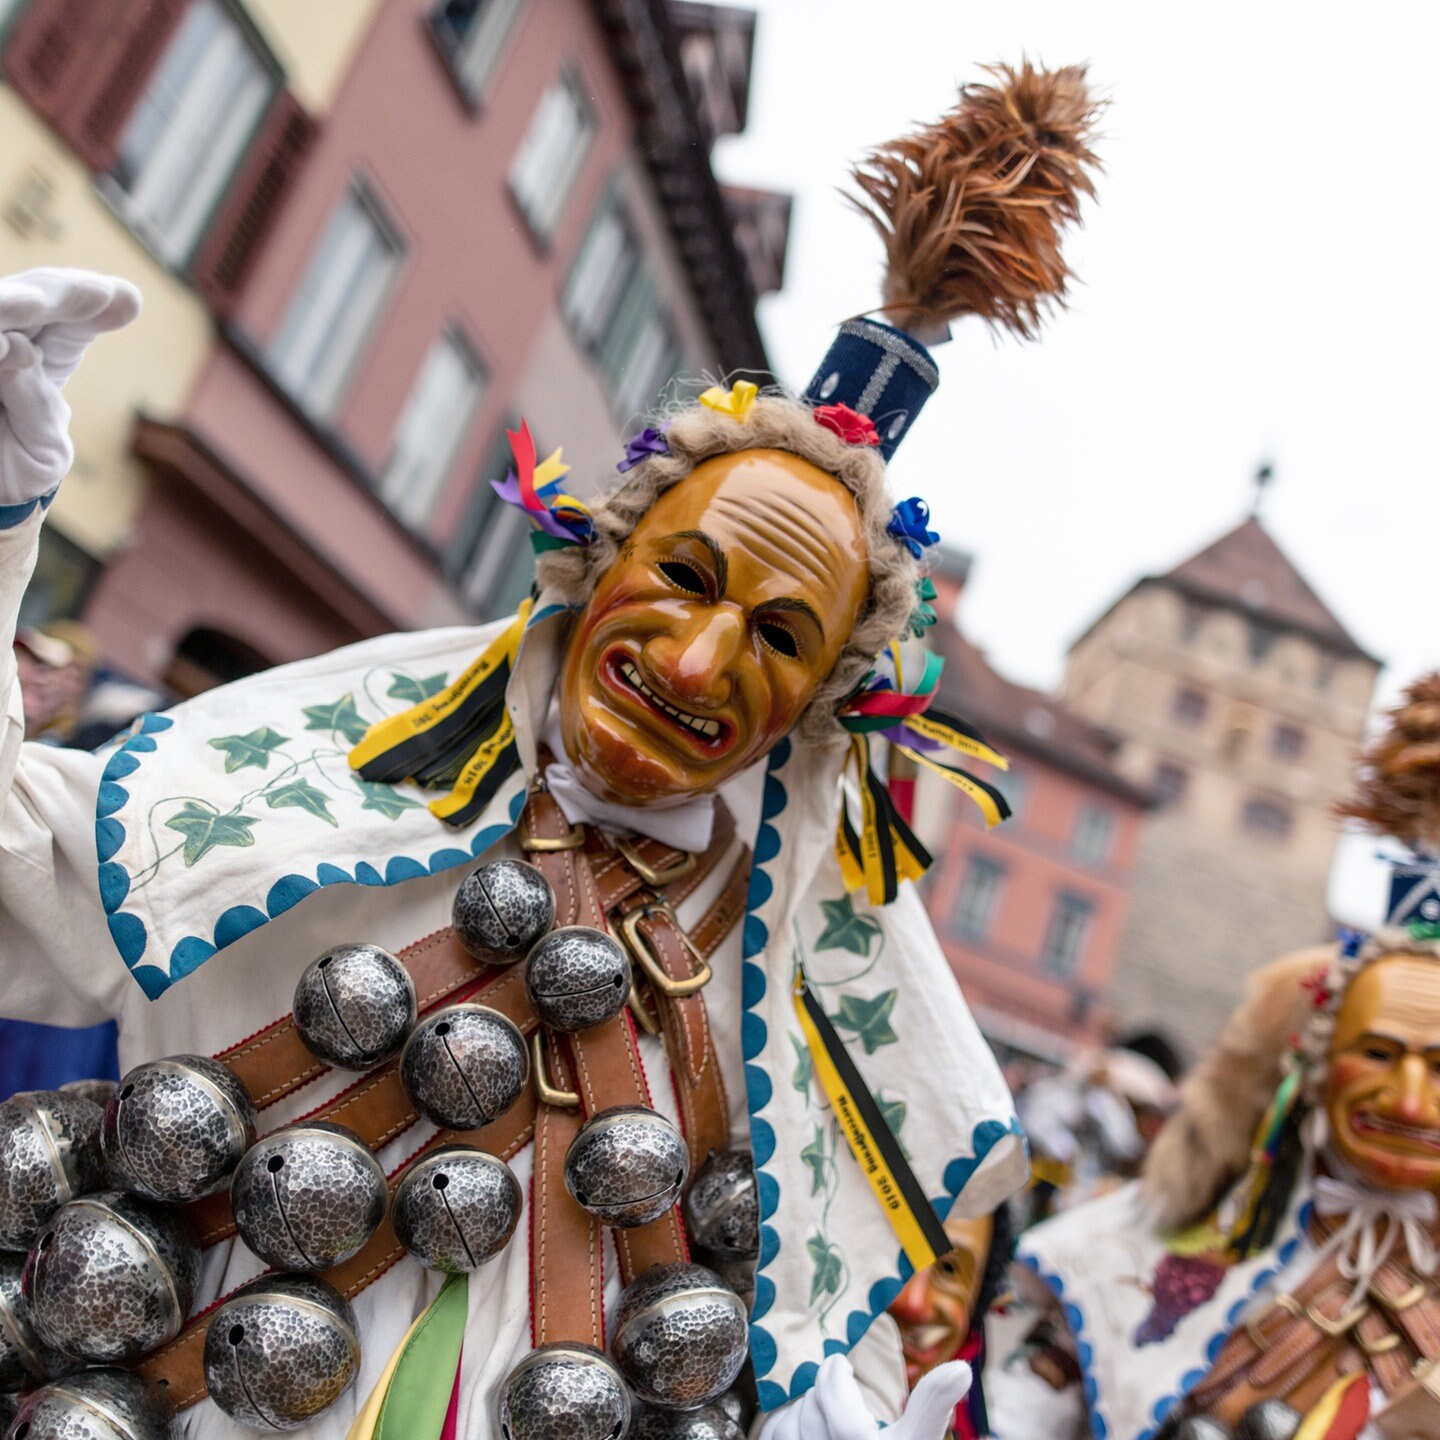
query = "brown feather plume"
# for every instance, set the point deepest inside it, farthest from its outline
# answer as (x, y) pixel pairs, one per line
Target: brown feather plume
(972, 207)
(1398, 792)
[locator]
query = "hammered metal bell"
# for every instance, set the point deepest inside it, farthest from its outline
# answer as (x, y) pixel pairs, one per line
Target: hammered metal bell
(110, 1278)
(25, 1359)
(464, 1066)
(626, 1166)
(564, 1392)
(176, 1128)
(99, 1091)
(722, 1212)
(577, 977)
(281, 1351)
(354, 1006)
(456, 1208)
(308, 1196)
(502, 909)
(93, 1405)
(739, 1275)
(1198, 1427)
(49, 1153)
(680, 1336)
(1268, 1420)
(709, 1422)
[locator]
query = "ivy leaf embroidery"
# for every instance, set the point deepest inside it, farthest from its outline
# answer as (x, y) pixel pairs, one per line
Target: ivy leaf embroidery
(893, 1112)
(205, 829)
(829, 1268)
(814, 1156)
(384, 798)
(869, 1019)
(340, 716)
(242, 751)
(801, 1077)
(413, 691)
(305, 796)
(845, 930)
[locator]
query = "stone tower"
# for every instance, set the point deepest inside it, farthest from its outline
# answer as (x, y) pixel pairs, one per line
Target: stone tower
(1240, 699)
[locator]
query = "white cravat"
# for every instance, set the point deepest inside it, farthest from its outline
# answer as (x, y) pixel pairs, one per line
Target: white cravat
(1358, 1243)
(683, 825)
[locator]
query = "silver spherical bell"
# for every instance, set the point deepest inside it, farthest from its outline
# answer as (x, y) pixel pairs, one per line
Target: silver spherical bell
(94, 1405)
(456, 1207)
(577, 977)
(1197, 1427)
(49, 1153)
(709, 1422)
(627, 1165)
(722, 1212)
(739, 1275)
(1268, 1420)
(176, 1128)
(680, 1336)
(25, 1359)
(354, 1006)
(281, 1351)
(564, 1392)
(110, 1278)
(99, 1091)
(464, 1066)
(308, 1196)
(502, 909)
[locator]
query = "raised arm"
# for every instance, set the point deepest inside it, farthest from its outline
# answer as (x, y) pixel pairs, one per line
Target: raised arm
(53, 942)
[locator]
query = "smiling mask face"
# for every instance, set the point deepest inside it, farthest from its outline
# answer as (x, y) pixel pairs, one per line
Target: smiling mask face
(1382, 1090)
(707, 638)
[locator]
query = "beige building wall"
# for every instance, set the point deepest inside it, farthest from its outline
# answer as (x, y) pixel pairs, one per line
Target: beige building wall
(1213, 900)
(314, 40)
(52, 214)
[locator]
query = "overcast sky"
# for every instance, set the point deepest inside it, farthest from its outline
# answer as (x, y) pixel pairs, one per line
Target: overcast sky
(1256, 282)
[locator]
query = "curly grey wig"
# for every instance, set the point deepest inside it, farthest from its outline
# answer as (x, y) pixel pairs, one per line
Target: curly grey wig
(773, 422)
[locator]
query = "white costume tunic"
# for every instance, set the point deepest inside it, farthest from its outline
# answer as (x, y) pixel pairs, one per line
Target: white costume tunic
(179, 882)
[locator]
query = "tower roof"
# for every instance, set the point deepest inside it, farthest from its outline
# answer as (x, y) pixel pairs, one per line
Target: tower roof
(1246, 571)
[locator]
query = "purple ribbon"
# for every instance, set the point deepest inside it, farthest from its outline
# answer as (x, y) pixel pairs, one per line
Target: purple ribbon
(642, 446)
(576, 530)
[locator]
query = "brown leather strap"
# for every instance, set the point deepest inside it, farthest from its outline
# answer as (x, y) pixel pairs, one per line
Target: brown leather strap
(178, 1367)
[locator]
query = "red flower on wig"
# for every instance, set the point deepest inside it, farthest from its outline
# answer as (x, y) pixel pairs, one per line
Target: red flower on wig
(852, 427)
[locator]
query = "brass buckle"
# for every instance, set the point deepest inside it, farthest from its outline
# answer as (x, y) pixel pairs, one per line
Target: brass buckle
(647, 872)
(1342, 1324)
(639, 948)
(1287, 1303)
(548, 1093)
(641, 1011)
(539, 845)
(1383, 1346)
(1412, 1297)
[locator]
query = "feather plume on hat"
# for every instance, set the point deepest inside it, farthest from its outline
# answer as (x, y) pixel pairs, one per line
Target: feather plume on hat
(972, 208)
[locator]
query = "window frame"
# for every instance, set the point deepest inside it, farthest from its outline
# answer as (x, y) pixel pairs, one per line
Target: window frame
(120, 196)
(455, 334)
(1258, 805)
(1100, 819)
(542, 230)
(1167, 797)
(1288, 741)
(359, 187)
(454, 50)
(1067, 902)
(977, 863)
(1190, 706)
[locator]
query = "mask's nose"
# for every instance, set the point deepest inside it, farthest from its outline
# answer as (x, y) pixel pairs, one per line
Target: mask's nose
(695, 662)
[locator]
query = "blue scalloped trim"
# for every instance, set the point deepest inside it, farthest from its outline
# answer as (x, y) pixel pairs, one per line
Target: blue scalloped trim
(13, 515)
(758, 1089)
(1075, 1318)
(128, 931)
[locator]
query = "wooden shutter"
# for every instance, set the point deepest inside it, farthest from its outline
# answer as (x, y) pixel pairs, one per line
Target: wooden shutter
(251, 204)
(82, 65)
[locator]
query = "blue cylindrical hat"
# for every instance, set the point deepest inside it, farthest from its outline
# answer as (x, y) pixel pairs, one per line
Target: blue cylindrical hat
(881, 373)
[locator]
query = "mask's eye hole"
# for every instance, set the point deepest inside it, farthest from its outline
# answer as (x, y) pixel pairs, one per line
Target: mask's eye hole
(684, 576)
(779, 638)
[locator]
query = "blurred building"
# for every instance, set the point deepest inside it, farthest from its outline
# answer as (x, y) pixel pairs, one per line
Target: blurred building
(372, 235)
(1030, 913)
(1240, 698)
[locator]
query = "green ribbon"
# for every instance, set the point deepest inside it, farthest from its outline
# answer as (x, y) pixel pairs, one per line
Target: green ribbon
(419, 1395)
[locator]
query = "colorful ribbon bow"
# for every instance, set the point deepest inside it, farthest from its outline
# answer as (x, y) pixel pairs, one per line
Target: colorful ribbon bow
(559, 519)
(642, 446)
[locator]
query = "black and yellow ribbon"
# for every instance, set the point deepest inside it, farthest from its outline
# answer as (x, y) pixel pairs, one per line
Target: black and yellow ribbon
(871, 1141)
(461, 738)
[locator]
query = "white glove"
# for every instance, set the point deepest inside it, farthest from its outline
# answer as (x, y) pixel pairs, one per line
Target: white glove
(834, 1409)
(47, 318)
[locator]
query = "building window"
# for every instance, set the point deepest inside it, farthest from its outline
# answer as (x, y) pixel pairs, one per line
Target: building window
(336, 303)
(1065, 939)
(1170, 784)
(189, 130)
(975, 904)
(1287, 742)
(614, 312)
(552, 154)
(432, 426)
(490, 560)
(1190, 705)
(1094, 833)
(471, 34)
(1266, 819)
(8, 10)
